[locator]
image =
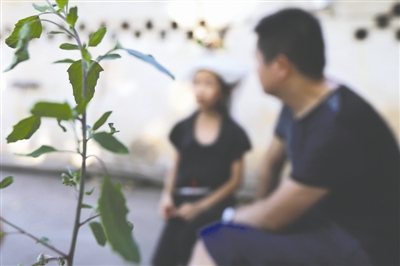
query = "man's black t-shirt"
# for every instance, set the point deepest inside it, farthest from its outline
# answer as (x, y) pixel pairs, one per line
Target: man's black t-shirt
(207, 166)
(345, 146)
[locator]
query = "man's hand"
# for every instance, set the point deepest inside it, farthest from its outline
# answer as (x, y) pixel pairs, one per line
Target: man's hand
(188, 211)
(242, 214)
(282, 208)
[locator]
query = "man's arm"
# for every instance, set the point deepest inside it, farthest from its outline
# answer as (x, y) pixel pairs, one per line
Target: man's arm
(282, 208)
(271, 168)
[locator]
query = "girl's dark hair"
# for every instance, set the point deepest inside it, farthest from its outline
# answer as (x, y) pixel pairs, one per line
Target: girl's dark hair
(223, 103)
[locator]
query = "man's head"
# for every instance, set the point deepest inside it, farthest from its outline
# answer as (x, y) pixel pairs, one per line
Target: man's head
(290, 43)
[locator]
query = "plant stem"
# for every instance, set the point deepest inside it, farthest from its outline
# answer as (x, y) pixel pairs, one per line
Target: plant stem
(12, 233)
(83, 167)
(67, 151)
(58, 25)
(106, 54)
(34, 238)
(50, 259)
(78, 141)
(54, 11)
(89, 219)
(103, 165)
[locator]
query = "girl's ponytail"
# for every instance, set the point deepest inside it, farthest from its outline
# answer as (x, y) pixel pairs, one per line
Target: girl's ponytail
(224, 102)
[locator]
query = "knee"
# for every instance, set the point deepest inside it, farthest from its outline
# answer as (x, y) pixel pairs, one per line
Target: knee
(200, 255)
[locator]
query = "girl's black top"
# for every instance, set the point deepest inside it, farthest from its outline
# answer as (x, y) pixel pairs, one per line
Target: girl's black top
(207, 165)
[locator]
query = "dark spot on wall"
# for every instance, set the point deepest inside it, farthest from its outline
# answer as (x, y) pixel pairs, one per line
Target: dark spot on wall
(189, 35)
(149, 25)
(382, 21)
(361, 34)
(125, 25)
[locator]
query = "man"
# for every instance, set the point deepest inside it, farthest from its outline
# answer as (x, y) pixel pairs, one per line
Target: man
(340, 205)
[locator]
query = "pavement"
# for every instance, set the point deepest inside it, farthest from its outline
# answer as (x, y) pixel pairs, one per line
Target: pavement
(42, 206)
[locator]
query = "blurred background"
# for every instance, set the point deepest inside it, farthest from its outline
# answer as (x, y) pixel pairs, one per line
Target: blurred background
(362, 50)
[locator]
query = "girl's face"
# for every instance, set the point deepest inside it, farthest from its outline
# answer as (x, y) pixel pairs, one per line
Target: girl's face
(207, 89)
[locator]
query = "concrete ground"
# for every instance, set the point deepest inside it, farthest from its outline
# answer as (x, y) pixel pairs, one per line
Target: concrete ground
(42, 206)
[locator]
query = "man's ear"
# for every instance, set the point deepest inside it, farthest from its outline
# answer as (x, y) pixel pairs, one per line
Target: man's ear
(283, 67)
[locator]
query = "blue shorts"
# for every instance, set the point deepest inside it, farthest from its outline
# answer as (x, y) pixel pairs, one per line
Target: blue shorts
(327, 244)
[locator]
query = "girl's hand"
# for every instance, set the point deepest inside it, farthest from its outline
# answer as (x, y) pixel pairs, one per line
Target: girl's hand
(167, 208)
(188, 211)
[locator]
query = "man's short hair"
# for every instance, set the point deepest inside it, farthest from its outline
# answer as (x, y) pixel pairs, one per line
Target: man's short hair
(296, 34)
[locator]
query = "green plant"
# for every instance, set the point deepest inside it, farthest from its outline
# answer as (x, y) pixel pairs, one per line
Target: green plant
(84, 73)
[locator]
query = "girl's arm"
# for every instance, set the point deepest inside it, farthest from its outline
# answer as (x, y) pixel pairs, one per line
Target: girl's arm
(225, 190)
(189, 210)
(167, 208)
(169, 182)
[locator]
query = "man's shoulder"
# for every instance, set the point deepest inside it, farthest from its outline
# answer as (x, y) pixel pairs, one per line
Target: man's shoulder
(354, 120)
(352, 108)
(342, 117)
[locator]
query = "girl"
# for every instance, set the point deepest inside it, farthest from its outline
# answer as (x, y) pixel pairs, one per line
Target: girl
(209, 148)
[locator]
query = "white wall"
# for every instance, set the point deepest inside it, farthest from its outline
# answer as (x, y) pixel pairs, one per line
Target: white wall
(146, 103)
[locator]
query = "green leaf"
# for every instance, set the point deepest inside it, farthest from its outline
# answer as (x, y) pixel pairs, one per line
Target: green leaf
(66, 180)
(71, 171)
(2, 234)
(6, 181)
(75, 174)
(98, 232)
(61, 111)
(60, 261)
(35, 30)
(108, 57)
(44, 239)
(101, 120)
(97, 37)
(69, 46)
(24, 129)
(81, 107)
(72, 16)
(40, 8)
(112, 128)
(40, 151)
(130, 225)
(69, 61)
(86, 206)
(110, 143)
(56, 32)
(96, 209)
(149, 59)
(86, 55)
(89, 192)
(118, 46)
(61, 126)
(75, 78)
(42, 259)
(21, 53)
(61, 3)
(113, 205)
